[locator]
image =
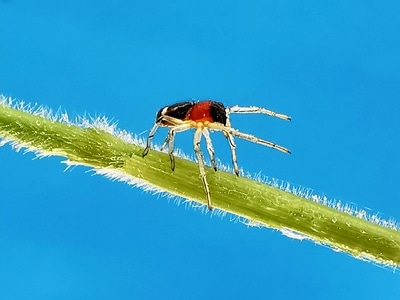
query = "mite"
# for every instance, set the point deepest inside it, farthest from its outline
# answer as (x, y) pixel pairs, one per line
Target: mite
(203, 116)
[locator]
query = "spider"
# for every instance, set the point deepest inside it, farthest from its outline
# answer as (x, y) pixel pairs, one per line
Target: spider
(202, 116)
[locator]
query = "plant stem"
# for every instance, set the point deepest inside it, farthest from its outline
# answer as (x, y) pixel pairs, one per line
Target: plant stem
(258, 202)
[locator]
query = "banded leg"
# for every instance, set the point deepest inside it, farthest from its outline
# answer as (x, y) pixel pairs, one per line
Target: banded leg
(200, 161)
(256, 110)
(210, 148)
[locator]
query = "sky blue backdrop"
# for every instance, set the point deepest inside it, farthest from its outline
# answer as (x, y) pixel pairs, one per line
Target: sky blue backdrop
(333, 67)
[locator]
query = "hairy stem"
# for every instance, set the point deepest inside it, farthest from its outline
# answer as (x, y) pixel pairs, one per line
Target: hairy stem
(260, 203)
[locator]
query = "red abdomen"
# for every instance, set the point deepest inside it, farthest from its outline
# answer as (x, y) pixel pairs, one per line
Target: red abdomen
(200, 112)
(208, 110)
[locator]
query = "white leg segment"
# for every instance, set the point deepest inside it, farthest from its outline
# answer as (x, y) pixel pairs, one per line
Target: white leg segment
(256, 110)
(257, 140)
(231, 131)
(232, 145)
(210, 147)
(165, 142)
(200, 161)
(171, 138)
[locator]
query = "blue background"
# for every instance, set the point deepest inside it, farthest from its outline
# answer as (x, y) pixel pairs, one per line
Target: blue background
(334, 67)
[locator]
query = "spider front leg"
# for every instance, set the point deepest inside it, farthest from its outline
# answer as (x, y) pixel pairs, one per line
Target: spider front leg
(170, 140)
(200, 160)
(150, 137)
(165, 142)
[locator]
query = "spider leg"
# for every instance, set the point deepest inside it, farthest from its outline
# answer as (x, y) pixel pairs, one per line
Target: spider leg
(150, 137)
(165, 142)
(257, 140)
(200, 160)
(228, 120)
(231, 131)
(171, 122)
(170, 139)
(255, 110)
(232, 145)
(210, 148)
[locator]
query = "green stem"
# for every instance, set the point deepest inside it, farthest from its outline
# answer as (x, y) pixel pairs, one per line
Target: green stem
(258, 202)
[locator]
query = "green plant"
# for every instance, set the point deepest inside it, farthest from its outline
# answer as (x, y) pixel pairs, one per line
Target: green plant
(118, 155)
